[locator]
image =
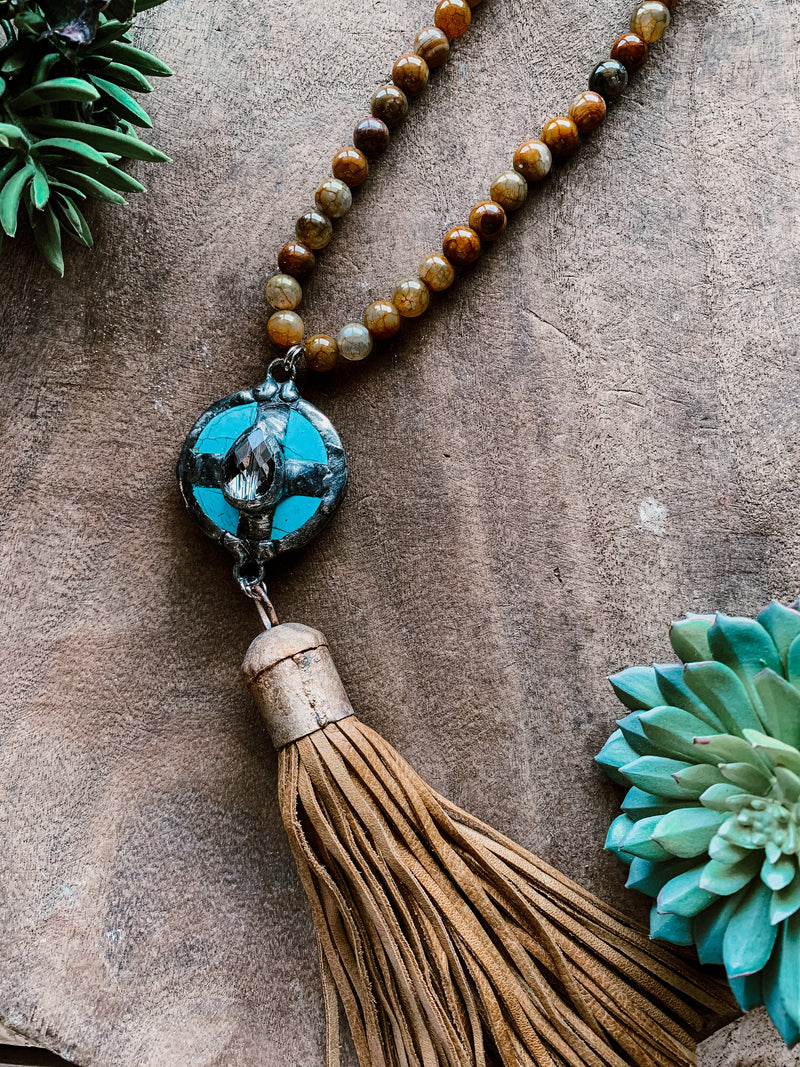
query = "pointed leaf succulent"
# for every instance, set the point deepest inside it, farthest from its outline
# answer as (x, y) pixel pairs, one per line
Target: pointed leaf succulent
(67, 72)
(709, 751)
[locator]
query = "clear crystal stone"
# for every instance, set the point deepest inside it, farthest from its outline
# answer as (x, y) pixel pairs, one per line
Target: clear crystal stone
(249, 467)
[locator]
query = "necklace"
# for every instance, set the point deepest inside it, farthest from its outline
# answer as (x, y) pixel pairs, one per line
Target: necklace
(444, 942)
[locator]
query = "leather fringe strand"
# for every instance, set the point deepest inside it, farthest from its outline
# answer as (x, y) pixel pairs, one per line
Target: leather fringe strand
(451, 946)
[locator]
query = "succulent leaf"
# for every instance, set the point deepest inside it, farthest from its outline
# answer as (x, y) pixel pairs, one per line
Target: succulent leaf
(712, 813)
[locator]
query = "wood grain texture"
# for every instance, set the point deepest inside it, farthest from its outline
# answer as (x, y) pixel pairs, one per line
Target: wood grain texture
(593, 432)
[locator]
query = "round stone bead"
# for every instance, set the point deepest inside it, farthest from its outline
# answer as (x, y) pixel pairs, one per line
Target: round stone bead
(285, 328)
(587, 111)
(334, 198)
(371, 136)
(410, 74)
(631, 51)
(321, 352)
(296, 259)
(354, 341)
(560, 135)
(609, 79)
(314, 229)
(411, 297)
(509, 190)
(453, 17)
(390, 105)
(650, 20)
(382, 319)
(437, 272)
(488, 220)
(533, 160)
(350, 166)
(283, 292)
(461, 245)
(433, 45)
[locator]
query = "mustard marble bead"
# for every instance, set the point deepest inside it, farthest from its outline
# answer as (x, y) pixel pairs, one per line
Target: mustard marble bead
(382, 319)
(453, 17)
(560, 134)
(461, 245)
(314, 229)
(509, 190)
(650, 20)
(437, 272)
(321, 352)
(411, 297)
(283, 292)
(533, 160)
(587, 111)
(350, 166)
(334, 198)
(285, 328)
(410, 73)
(433, 45)
(354, 342)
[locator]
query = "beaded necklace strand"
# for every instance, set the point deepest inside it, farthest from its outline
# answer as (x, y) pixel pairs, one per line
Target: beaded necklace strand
(462, 243)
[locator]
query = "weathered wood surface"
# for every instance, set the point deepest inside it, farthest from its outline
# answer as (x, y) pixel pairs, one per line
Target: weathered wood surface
(596, 431)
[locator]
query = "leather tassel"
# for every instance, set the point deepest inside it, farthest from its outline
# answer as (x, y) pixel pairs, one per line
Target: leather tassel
(447, 944)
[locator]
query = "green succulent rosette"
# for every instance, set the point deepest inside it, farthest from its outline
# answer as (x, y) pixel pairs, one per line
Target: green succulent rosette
(710, 755)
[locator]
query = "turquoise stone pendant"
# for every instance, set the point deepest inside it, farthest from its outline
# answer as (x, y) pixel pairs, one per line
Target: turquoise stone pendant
(262, 471)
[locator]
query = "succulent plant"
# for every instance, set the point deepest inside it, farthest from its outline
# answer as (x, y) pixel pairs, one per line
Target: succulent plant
(710, 753)
(67, 116)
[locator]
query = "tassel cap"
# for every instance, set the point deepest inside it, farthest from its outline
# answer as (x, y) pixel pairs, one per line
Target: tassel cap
(296, 685)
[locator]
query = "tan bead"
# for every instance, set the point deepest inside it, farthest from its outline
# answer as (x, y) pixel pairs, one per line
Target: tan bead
(283, 292)
(334, 198)
(650, 20)
(350, 166)
(321, 352)
(410, 74)
(314, 229)
(509, 190)
(561, 136)
(533, 160)
(382, 319)
(453, 17)
(587, 111)
(461, 245)
(354, 341)
(488, 220)
(390, 105)
(285, 328)
(433, 45)
(411, 297)
(437, 272)
(296, 259)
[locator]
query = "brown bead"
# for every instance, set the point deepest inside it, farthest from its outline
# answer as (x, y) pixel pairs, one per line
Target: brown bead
(533, 160)
(350, 166)
(297, 260)
(509, 190)
(433, 45)
(390, 105)
(453, 17)
(488, 220)
(371, 136)
(561, 136)
(587, 111)
(321, 352)
(411, 297)
(436, 271)
(314, 229)
(382, 319)
(461, 245)
(631, 51)
(285, 328)
(410, 74)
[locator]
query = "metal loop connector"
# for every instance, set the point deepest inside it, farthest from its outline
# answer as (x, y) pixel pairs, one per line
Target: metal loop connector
(250, 578)
(289, 362)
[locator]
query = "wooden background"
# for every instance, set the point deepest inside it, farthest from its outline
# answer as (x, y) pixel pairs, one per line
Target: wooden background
(593, 433)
